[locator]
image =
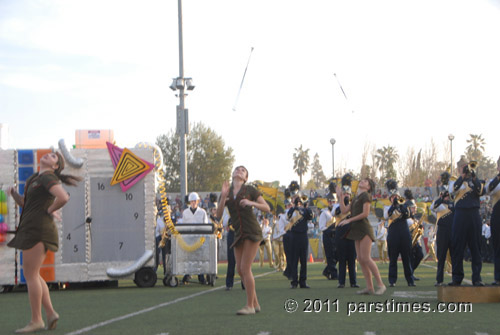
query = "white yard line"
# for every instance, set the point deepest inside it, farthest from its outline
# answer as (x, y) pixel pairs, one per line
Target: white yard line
(146, 310)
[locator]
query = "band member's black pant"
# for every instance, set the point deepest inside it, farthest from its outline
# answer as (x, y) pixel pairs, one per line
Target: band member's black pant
(287, 248)
(346, 253)
(417, 254)
(231, 260)
(300, 246)
(466, 231)
(399, 243)
(443, 242)
(495, 239)
(330, 254)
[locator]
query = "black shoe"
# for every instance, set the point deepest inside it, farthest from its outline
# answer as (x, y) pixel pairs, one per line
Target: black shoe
(355, 285)
(454, 283)
(416, 278)
(293, 286)
(411, 284)
(229, 288)
(340, 286)
(326, 274)
(439, 284)
(392, 285)
(305, 286)
(334, 278)
(496, 283)
(478, 283)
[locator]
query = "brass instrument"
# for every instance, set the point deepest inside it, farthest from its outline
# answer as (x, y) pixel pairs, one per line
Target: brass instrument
(417, 230)
(341, 217)
(330, 222)
(293, 221)
(472, 165)
(397, 212)
(471, 168)
(218, 228)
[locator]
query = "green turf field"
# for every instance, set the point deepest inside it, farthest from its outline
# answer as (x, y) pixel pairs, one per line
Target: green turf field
(198, 309)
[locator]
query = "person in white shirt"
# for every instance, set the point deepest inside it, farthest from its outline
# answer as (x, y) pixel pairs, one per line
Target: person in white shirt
(381, 240)
(277, 241)
(266, 243)
(194, 214)
(431, 243)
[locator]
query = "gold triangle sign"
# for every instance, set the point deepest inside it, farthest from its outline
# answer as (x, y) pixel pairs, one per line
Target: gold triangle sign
(129, 166)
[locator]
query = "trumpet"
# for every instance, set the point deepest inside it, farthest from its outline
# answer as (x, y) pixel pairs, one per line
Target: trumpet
(471, 168)
(399, 200)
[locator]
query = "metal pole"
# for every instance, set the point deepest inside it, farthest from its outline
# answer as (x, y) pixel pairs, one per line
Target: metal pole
(332, 141)
(451, 157)
(333, 160)
(182, 133)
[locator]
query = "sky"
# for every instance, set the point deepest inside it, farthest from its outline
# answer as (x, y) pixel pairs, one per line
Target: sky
(413, 72)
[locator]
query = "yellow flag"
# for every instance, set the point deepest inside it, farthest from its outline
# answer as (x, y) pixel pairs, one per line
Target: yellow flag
(314, 243)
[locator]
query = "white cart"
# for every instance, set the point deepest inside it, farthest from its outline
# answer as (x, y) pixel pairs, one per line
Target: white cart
(184, 260)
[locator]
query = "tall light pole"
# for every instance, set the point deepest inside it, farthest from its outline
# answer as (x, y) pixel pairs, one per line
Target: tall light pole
(332, 141)
(180, 83)
(451, 138)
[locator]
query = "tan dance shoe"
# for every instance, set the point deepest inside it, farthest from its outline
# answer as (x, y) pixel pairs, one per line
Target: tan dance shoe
(52, 322)
(365, 291)
(246, 311)
(31, 327)
(381, 290)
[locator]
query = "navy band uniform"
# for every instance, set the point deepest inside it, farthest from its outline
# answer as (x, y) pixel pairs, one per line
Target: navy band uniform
(466, 228)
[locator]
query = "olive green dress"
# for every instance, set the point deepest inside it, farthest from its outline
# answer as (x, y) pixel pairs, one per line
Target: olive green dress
(243, 219)
(36, 225)
(362, 227)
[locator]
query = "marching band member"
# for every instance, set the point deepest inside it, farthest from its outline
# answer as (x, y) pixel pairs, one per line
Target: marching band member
(346, 248)
(444, 209)
(417, 254)
(493, 189)
(292, 189)
(466, 229)
(299, 215)
(398, 236)
(327, 226)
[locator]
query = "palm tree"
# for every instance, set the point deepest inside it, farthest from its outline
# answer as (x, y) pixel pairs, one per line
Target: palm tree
(475, 149)
(385, 160)
(301, 162)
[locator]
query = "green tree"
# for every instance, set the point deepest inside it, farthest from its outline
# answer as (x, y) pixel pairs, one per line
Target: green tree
(487, 168)
(317, 174)
(301, 162)
(475, 149)
(209, 163)
(385, 159)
